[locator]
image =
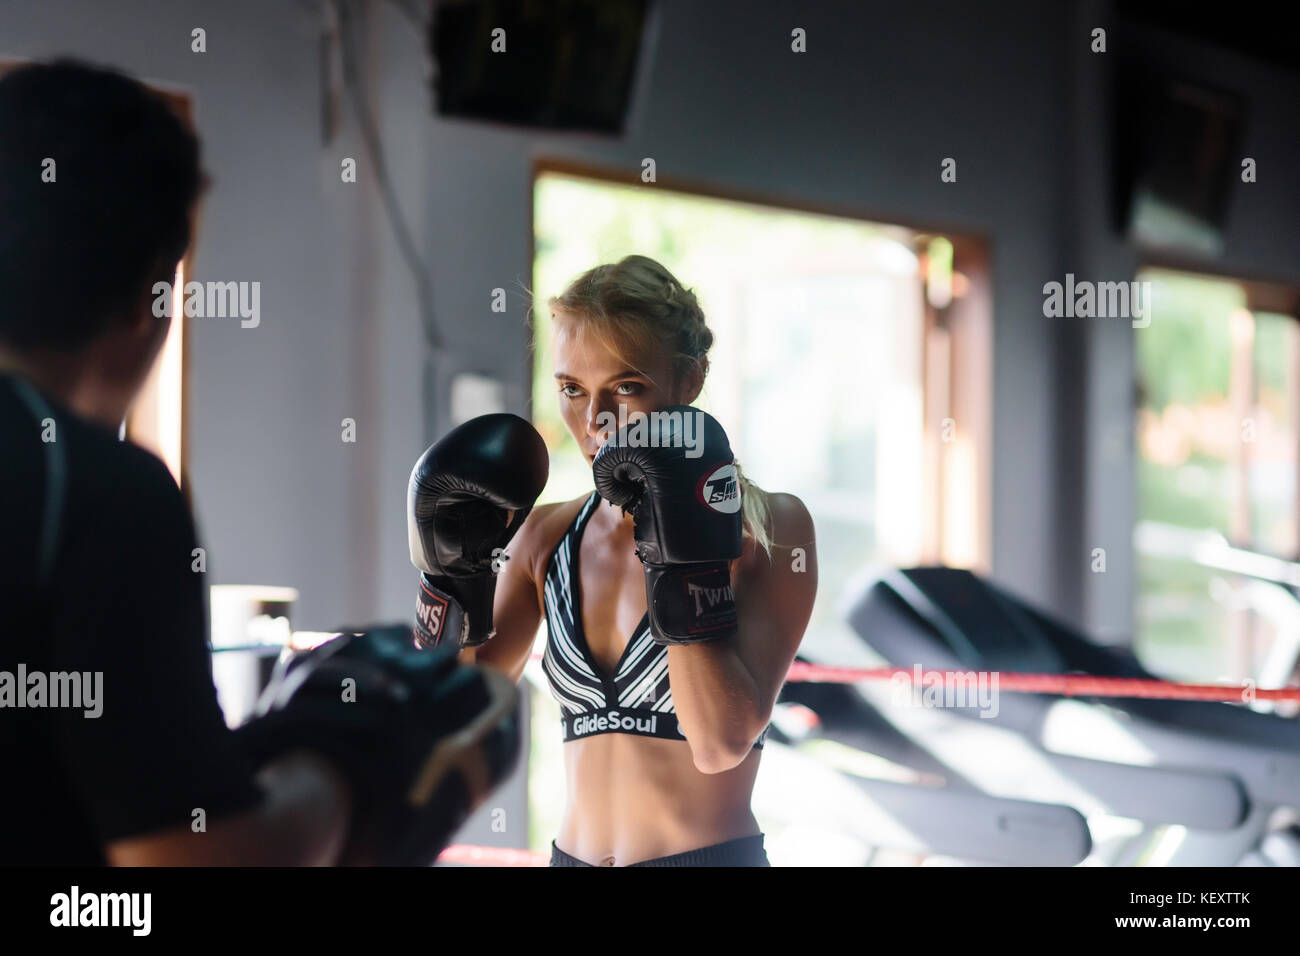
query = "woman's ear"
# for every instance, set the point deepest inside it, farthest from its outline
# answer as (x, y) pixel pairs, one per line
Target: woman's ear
(692, 381)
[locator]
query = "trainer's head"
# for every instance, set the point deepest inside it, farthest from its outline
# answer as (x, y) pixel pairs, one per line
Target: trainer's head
(626, 333)
(98, 181)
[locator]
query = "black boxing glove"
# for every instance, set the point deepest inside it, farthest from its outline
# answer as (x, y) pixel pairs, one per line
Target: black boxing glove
(674, 471)
(468, 495)
(421, 738)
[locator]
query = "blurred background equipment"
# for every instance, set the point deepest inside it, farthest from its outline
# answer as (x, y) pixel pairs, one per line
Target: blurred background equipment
(1165, 782)
(574, 64)
(251, 625)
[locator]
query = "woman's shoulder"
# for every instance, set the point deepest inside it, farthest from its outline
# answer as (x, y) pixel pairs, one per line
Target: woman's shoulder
(790, 525)
(557, 511)
(543, 529)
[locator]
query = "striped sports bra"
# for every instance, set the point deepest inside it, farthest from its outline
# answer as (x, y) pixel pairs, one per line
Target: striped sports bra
(636, 698)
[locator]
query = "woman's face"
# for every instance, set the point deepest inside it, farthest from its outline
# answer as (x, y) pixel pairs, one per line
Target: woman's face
(592, 380)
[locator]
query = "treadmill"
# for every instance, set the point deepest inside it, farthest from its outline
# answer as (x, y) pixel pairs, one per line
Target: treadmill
(1159, 782)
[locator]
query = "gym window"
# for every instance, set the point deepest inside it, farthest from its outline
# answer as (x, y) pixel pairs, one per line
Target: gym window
(1218, 430)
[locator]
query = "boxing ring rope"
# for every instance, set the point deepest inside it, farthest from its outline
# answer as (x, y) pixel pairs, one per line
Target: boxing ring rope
(1064, 685)
(492, 856)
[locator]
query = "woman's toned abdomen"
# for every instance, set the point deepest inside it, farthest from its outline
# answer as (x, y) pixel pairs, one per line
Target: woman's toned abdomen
(636, 798)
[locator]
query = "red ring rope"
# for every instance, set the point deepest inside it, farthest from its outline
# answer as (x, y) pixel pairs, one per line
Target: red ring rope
(492, 856)
(1066, 685)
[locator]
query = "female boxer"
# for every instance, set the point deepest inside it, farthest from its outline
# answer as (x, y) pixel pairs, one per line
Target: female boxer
(662, 741)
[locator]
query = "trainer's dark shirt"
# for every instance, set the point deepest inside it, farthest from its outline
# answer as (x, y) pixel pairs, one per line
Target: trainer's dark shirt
(118, 597)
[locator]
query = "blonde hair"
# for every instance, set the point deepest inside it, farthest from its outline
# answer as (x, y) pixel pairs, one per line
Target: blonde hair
(636, 306)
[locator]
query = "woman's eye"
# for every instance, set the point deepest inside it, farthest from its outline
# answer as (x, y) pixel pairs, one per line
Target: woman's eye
(569, 390)
(632, 388)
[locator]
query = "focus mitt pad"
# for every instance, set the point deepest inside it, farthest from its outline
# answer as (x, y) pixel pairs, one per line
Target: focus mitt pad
(422, 738)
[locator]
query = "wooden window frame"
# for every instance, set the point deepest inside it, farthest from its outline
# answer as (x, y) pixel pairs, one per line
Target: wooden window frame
(963, 330)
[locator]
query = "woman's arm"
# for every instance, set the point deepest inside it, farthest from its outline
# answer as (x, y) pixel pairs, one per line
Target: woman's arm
(724, 691)
(516, 613)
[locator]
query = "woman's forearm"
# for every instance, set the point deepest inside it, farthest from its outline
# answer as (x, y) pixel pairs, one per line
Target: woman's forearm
(716, 700)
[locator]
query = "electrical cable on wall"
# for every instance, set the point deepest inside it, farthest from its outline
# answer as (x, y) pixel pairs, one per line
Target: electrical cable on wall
(370, 137)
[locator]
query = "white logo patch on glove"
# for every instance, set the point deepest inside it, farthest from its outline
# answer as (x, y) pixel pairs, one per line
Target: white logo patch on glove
(720, 490)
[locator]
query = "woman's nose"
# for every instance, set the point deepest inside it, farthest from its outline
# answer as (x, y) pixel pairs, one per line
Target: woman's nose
(599, 419)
